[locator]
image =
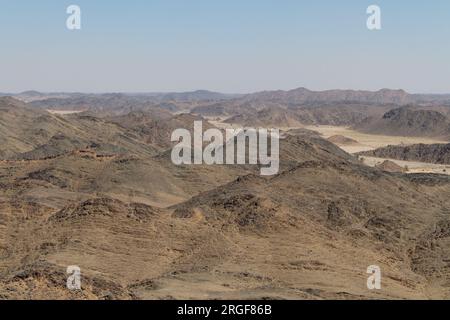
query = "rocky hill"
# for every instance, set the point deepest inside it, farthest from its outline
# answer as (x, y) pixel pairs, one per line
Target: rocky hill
(390, 166)
(269, 117)
(408, 122)
(431, 153)
(342, 140)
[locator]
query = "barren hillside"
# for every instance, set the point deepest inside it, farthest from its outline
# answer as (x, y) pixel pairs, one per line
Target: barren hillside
(102, 194)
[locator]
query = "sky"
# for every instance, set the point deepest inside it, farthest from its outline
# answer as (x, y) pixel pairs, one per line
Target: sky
(232, 46)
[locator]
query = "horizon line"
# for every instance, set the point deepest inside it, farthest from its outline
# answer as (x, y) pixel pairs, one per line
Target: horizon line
(214, 91)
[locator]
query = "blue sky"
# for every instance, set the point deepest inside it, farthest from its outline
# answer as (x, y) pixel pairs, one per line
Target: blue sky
(229, 45)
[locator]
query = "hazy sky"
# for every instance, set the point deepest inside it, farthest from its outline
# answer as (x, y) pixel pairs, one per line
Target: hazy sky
(231, 46)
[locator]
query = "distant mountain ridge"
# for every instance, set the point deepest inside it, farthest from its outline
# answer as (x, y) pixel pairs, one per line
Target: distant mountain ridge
(198, 95)
(295, 107)
(383, 96)
(296, 96)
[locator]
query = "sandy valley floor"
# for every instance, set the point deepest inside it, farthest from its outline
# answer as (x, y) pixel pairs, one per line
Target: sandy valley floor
(369, 142)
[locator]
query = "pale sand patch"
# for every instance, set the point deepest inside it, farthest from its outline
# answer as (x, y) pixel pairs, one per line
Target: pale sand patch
(219, 123)
(63, 112)
(164, 199)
